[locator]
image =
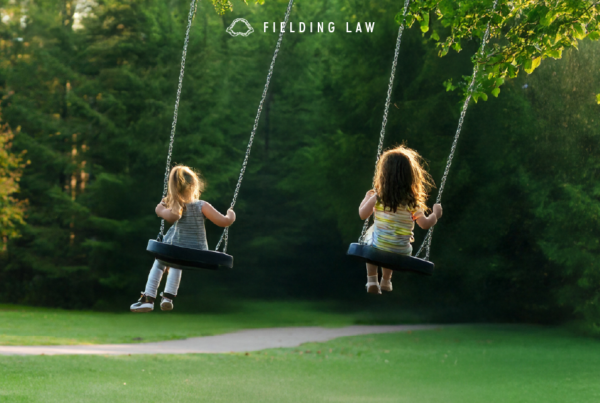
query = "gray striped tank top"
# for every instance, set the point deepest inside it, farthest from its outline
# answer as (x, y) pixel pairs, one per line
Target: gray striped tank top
(189, 231)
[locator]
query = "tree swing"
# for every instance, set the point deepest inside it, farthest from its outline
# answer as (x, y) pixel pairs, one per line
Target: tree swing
(194, 259)
(393, 261)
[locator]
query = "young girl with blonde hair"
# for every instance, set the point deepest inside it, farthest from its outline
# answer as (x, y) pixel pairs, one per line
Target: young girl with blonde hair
(187, 213)
(398, 200)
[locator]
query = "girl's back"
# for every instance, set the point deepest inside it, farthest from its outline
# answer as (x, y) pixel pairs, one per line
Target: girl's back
(189, 230)
(393, 231)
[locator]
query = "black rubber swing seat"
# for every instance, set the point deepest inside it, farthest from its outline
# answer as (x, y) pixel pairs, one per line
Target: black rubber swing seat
(390, 260)
(189, 259)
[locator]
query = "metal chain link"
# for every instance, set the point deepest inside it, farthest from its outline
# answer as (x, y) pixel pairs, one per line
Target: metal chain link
(225, 236)
(427, 241)
(388, 101)
(191, 14)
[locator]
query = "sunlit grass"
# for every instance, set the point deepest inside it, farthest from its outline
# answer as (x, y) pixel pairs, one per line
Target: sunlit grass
(40, 326)
(502, 364)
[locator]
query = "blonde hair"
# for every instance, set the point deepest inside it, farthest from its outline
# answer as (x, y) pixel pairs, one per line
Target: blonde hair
(401, 179)
(185, 186)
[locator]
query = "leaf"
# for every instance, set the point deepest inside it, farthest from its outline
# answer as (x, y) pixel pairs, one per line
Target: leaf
(400, 18)
(435, 36)
(496, 92)
(547, 20)
(530, 65)
(499, 81)
(594, 36)
(449, 86)
(598, 98)
(579, 31)
(556, 54)
(446, 8)
(409, 21)
(557, 38)
(425, 22)
(484, 96)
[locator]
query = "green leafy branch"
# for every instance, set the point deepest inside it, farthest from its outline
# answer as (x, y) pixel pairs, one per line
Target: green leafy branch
(223, 6)
(522, 33)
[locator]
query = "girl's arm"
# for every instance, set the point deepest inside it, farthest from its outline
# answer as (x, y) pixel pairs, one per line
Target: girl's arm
(168, 213)
(366, 206)
(217, 218)
(428, 222)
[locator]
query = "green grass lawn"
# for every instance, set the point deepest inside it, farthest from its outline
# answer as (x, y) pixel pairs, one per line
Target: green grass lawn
(39, 326)
(480, 364)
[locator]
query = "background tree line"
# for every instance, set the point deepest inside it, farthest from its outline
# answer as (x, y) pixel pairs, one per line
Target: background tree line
(519, 238)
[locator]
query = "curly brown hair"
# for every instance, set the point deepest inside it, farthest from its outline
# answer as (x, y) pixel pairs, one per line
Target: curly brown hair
(401, 179)
(185, 186)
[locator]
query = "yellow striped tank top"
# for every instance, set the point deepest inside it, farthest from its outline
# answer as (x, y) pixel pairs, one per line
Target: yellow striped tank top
(393, 232)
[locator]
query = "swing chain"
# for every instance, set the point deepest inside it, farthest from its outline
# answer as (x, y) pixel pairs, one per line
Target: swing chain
(225, 236)
(386, 109)
(427, 241)
(191, 14)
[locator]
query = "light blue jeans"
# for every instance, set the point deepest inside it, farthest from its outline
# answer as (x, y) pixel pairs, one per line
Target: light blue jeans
(156, 273)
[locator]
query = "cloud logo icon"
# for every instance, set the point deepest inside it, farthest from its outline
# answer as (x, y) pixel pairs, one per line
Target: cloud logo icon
(233, 33)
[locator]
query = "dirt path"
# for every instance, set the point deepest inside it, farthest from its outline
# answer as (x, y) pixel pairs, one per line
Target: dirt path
(245, 340)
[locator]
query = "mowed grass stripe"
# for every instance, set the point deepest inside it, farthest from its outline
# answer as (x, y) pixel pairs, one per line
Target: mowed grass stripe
(462, 364)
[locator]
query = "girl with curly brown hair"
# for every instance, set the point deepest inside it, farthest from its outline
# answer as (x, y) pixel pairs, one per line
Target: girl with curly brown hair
(401, 189)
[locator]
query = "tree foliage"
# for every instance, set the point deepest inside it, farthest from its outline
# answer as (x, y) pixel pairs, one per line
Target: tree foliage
(522, 33)
(95, 108)
(223, 6)
(11, 169)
